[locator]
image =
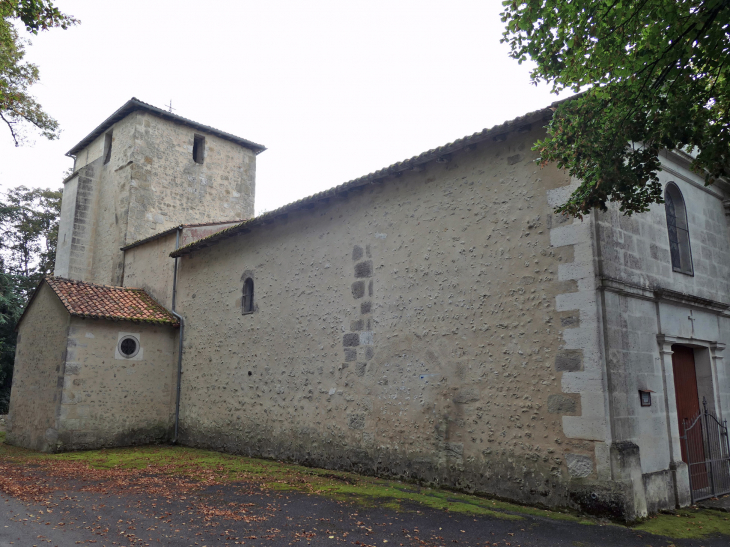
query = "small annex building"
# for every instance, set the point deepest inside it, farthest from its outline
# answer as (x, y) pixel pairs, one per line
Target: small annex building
(432, 321)
(77, 344)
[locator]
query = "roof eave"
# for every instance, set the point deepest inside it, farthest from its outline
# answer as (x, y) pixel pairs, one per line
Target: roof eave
(135, 104)
(496, 133)
(30, 301)
(153, 237)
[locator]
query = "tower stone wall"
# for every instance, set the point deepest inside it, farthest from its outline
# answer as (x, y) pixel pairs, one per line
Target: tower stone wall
(142, 175)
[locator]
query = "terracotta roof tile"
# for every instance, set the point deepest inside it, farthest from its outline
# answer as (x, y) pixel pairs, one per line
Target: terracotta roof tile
(107, 302)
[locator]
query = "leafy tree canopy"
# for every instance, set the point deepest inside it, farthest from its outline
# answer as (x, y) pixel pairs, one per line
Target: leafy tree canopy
(11, 306)
(18, 108)
(29, 227)
(656, 75)
(29, 224)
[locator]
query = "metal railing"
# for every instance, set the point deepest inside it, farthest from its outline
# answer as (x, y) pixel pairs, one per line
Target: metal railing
(707, 449)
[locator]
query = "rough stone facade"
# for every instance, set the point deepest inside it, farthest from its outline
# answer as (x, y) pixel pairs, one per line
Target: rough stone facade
(150, 183)
(434, 321)
(148, 266)
(38, 384)
(407, 329)
(141, 409)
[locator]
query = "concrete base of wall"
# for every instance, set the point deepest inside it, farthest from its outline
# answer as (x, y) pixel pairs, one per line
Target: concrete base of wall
(659, 491)
(26, 438)
(680, 480)
(157, 433)
(499, 476)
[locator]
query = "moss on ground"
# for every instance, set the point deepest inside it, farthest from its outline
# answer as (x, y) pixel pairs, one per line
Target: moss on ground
(688, 523)
(348, 487)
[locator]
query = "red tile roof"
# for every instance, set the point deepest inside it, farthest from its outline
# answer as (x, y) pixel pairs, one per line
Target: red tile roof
(107, 302)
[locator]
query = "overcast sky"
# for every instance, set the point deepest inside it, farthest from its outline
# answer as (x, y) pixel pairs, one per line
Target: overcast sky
(333, 89)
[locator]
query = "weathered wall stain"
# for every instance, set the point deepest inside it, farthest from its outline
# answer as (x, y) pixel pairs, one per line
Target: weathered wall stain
(36, 395)
(408, 330)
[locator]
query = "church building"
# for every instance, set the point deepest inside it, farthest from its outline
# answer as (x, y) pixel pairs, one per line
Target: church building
(433, 321)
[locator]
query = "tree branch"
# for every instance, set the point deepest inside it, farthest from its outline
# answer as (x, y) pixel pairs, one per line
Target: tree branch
(12, 131)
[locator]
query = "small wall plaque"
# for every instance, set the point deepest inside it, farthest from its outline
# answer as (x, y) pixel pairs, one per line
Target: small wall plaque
(645, 397)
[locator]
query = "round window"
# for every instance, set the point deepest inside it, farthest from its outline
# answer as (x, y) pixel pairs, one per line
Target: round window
(128, 346)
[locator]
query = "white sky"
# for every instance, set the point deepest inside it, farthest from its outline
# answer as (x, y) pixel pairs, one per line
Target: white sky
(333, 89)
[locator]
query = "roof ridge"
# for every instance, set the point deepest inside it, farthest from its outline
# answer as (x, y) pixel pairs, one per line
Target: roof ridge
(135, 104)
(172, 230)
(398, 167)
(80, 282)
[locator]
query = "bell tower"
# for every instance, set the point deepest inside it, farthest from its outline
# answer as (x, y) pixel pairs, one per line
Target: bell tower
(142, 171)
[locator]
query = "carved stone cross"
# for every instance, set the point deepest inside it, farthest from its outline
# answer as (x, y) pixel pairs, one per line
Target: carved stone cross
(691, 318)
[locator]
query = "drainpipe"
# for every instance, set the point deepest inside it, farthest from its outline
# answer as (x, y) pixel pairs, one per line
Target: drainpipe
(180, 346)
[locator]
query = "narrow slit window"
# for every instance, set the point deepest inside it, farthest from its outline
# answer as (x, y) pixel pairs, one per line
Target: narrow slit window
(198, 148)
(678, 230)
(107, 147)
(247, 301)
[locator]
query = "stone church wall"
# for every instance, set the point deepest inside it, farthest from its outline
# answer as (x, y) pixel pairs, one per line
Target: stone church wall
(40, 358)
(170, 188)
(109, 400)
(66, 228)
(422, 327)
(93, 225)
(150, 267)
(635, 249)
(642, 320)
(114, 188)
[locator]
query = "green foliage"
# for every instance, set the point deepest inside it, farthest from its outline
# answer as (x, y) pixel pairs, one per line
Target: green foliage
(29, 224)
(658, 77)
(687, 523)
(11, 306)
(18, 108)
(36, 14)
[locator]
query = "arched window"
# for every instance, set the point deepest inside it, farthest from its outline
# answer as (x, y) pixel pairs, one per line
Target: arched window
(678, 229)
(247, 300)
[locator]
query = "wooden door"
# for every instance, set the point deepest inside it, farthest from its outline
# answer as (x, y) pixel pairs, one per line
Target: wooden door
(685, 388)
(688, 403)
(688, 408)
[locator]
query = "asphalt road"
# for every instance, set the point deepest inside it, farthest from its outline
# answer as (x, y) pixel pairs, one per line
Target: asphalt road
(237, 514)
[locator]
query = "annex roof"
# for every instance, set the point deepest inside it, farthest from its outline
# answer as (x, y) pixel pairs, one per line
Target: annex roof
(94, 301)
(442, 153)
(172, 230)
(135, 104)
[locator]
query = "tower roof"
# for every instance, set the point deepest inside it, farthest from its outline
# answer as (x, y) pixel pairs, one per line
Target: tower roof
(135, 104)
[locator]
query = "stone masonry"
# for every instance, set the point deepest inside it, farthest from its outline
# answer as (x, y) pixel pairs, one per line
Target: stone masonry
(434, 321)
